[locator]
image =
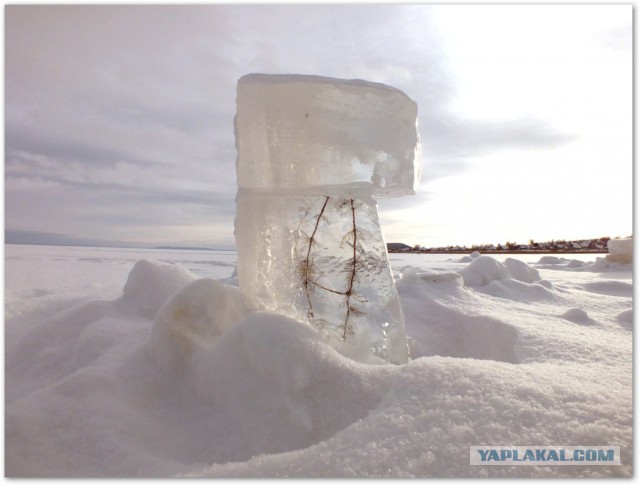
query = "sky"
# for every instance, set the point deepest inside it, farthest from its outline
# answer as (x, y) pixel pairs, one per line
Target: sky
(119, 119)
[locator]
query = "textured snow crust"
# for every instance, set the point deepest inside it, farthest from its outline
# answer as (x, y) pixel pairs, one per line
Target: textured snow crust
(165, 371)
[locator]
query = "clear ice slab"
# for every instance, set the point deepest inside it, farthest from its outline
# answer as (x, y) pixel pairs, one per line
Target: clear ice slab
(295, 131)
(313, 153)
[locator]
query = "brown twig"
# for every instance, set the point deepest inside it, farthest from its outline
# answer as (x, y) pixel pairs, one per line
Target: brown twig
(309, 278)
(352, 277)
(307, 263)
(328, 289)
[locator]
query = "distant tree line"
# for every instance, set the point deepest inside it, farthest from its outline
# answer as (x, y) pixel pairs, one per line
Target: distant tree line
(598, 245)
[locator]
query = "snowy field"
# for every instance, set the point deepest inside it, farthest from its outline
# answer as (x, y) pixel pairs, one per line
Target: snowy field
(159, 371)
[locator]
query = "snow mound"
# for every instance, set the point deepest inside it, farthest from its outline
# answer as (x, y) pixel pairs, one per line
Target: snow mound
(575, 263)
(546, 283)
(65, 342)
(412, 276)
(204, 386)
(604, 265)
(517, 291)
(600, 265)
(521, 271)
(551, 260)
(620, 250)
(150, 283)
(625, 319)
(281, 387)
(610, 287)
(205, 382)
(436, 329)
(196, 316)
(470, 257)
(485, 269)
(577, 315)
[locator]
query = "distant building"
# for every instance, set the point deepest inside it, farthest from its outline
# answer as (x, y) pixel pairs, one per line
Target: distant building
(397, 247)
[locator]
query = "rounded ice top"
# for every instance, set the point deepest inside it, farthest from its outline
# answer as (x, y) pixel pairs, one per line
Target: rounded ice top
(295, 131)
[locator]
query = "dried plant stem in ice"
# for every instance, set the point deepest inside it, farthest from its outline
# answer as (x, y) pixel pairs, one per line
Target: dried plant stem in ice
(306, 263)
(347, 327)
(309, 276)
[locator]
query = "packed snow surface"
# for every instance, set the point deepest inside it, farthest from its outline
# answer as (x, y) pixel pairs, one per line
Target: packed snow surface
(139, 363)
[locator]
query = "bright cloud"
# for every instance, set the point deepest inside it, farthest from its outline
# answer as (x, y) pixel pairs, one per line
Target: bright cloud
(119, 119)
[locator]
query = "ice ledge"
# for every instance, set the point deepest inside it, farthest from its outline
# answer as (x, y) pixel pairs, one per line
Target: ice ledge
(358, 190)
(295, 131)
(261, 78)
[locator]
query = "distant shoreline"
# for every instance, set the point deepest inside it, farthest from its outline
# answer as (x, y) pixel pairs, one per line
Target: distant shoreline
(560, 246)
(390, 251)
(110, 246)
(506, 251)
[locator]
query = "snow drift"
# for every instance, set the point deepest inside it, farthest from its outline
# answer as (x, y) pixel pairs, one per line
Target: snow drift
(620, 250)
(179, 377)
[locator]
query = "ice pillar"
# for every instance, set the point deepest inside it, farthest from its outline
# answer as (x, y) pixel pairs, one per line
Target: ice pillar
(313, 154)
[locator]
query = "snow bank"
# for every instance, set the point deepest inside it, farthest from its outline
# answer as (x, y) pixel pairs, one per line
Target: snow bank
(271, 405)
(620, 250)
(485, 269)
(604, 265)
(436, 407)
(200, 385)
(522, 271)
(610, 287)
(551, 260)
(575, 263)
(150, 283)
(129, 414)
(600, 265)
(625, 319)
(437, 329)
(577, 315)
(194, 317)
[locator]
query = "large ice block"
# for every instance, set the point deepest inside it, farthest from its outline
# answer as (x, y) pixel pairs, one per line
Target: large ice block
(313, 153)
(295, 131)
(323, 260)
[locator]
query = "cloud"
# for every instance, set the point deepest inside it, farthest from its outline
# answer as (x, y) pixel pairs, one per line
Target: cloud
(462, 137)
(452, 144)
(619, 38)
(24, 139)
(122, 116)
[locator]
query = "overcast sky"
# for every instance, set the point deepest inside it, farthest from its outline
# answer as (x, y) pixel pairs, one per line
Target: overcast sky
(119, 119)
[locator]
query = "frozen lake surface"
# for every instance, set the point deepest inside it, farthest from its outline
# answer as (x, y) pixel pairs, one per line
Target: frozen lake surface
(506, 350)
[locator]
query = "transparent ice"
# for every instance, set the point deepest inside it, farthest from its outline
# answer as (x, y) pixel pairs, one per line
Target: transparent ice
(299, 132)
(312, 154)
